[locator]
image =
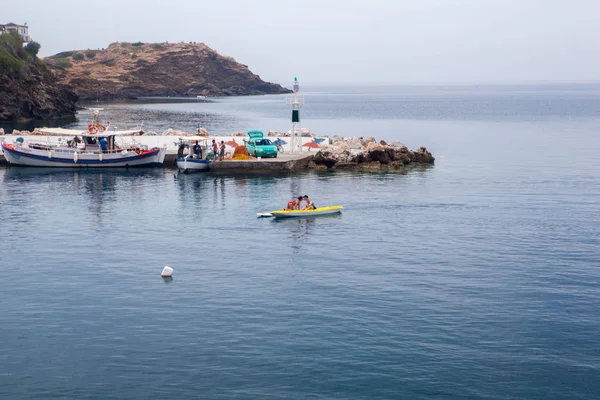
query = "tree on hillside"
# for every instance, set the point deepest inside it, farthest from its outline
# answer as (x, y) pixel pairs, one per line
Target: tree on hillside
(33, 48)
(12, 53)
(12, 44)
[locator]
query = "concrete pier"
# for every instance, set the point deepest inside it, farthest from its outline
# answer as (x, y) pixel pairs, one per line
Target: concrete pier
(283, 163)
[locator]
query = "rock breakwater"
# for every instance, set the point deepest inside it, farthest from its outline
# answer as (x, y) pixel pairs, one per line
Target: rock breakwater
(359, 153)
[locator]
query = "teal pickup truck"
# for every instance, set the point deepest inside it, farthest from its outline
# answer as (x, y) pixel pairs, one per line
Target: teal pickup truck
(259, 146)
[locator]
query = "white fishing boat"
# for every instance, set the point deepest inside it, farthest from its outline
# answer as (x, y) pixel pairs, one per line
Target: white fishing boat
(96, 147)
(189, 160)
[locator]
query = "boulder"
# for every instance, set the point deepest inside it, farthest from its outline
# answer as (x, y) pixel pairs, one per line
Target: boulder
(340, 146)
(423, 156)
(337, 138)
(370, 146)
(355, 155)
(314, 165)
(378, 152)
(380, 155)
(325, 157)
(397, 145)
(173, 132)
(395, 164)
(366, 142)
(364, 157)
(404, 158)
(354, 143)
(346, 165)
(370, 165)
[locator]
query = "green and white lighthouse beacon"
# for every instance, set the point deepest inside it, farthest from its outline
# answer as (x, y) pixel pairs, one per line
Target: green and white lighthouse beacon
(296, 100)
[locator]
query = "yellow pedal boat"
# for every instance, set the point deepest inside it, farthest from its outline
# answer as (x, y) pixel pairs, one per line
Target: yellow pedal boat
(302, 213)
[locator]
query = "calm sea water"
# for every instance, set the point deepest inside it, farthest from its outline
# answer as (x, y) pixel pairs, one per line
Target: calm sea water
(478, 278)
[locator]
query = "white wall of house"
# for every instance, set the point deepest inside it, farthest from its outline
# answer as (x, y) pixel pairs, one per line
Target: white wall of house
(22, 30)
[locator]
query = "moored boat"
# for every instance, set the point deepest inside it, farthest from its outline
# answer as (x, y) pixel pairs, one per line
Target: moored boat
(95, 148)
(193, 161)
(54, 156)
(190, 164)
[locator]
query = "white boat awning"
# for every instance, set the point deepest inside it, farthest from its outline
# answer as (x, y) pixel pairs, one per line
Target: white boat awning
(84, 132)
(61, 131)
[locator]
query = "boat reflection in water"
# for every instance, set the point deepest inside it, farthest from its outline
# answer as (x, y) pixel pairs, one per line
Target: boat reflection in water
(306, 220)
(78, 174)
(96, 188)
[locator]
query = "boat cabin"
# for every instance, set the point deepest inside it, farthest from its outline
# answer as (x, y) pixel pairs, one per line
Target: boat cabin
(187, 147)
(92, 142)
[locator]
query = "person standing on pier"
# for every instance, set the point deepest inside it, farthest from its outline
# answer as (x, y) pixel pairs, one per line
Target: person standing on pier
(214, 148)
(222, 153)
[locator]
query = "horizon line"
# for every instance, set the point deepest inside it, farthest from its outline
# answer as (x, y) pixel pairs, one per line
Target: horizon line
(441, 83)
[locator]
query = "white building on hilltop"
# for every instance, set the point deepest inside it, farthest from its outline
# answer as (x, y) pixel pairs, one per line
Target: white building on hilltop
(22, 30)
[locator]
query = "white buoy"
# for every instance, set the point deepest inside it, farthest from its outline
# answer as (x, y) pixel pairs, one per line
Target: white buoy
(166, 272)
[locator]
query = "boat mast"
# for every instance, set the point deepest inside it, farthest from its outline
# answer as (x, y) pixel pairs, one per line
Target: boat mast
(96, 116)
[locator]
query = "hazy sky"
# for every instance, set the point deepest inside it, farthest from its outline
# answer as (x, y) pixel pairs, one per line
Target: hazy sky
(344, 41)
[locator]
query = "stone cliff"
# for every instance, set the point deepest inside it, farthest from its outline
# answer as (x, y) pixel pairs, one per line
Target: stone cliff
(127, 70)
(28, 89)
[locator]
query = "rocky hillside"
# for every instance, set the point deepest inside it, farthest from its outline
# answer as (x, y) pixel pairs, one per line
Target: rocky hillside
(28, 89)
(126, 70)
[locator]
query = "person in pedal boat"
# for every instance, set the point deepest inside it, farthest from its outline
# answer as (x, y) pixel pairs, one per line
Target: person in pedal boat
(309, 204)
(294, 204)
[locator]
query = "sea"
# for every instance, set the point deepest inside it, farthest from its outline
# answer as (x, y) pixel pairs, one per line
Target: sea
(475, 278)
